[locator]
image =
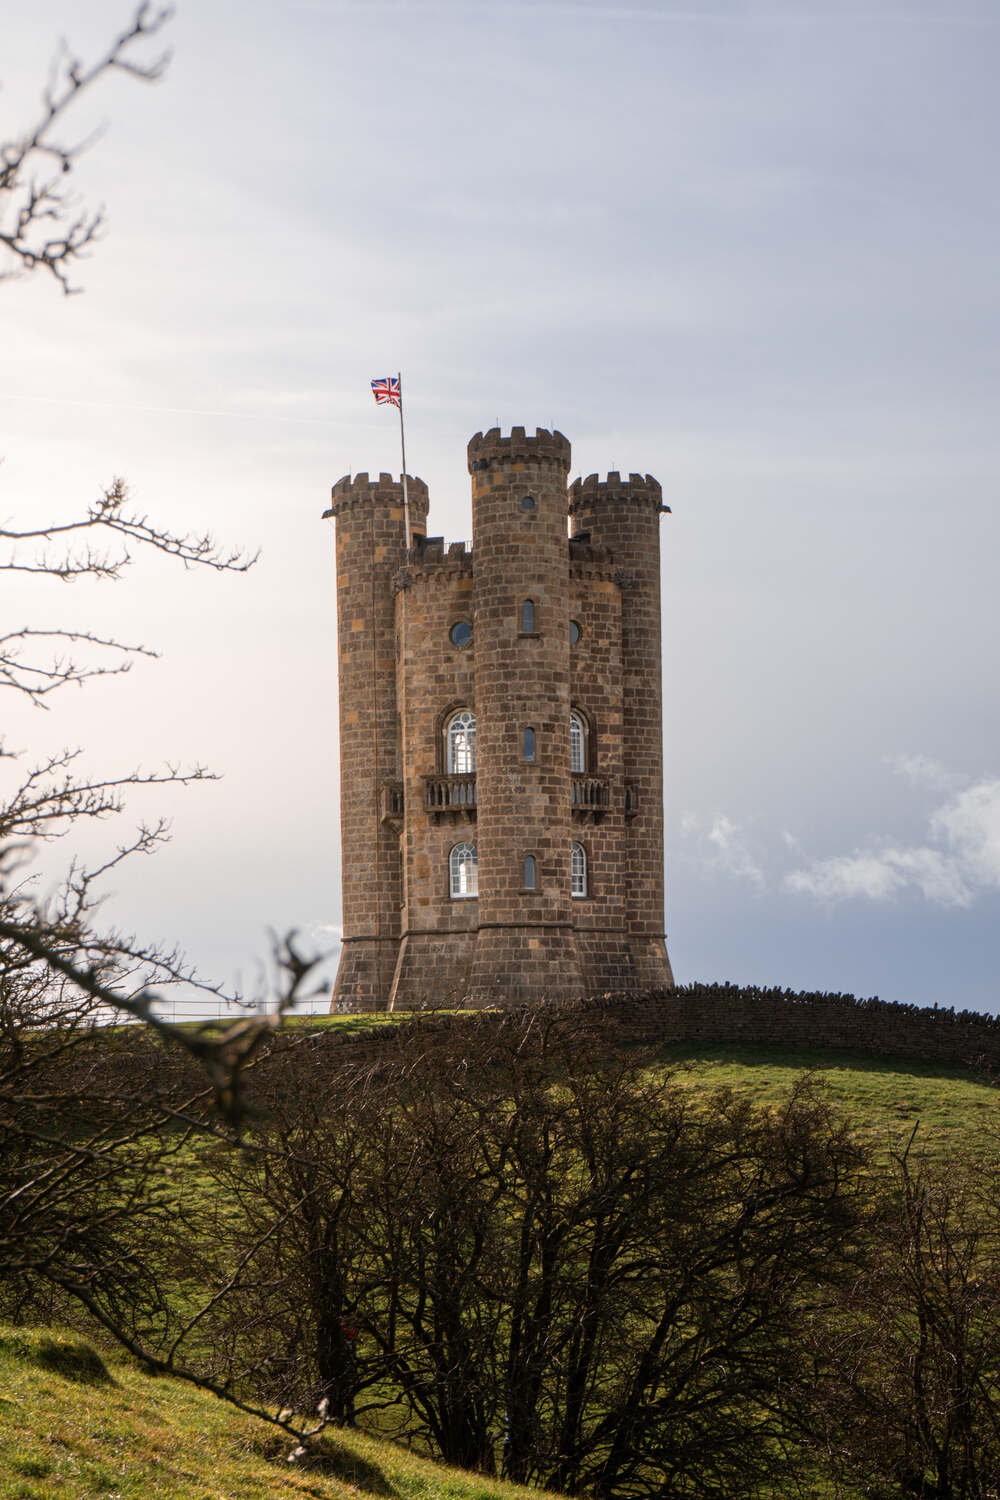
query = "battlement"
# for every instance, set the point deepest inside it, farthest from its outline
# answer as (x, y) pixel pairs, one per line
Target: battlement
(637, 489)
(433, 561)
(487, 449)
(351, 493)
(582, 549)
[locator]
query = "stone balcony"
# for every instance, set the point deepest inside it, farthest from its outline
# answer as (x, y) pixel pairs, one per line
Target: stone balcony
(590, 796)
(451, 793)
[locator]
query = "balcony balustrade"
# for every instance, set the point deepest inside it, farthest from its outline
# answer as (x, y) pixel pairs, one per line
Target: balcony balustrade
(590, 795)
(454, 793)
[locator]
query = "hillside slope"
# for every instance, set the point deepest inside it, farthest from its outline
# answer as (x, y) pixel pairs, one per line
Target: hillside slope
(955, 1111)
(82, 1428)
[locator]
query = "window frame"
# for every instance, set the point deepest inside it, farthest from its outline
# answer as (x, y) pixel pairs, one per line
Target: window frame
(458, 864)
(451, 752)
(579, 871)
(578, 718)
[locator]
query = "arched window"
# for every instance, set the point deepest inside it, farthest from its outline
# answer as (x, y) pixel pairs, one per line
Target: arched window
(528, 745)
(460, 743)
(578, 870)
(528, 617)
(463, 871)
(530, 872)
(577, 743)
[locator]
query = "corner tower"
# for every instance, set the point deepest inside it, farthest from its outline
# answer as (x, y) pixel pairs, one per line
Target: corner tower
(371, 548)
(623, 517)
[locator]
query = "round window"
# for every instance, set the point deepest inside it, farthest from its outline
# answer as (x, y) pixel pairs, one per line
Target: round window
(461, 633)
(574, 632)
(527, 502)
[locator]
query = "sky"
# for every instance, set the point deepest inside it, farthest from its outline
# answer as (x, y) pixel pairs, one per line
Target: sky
(749, 248)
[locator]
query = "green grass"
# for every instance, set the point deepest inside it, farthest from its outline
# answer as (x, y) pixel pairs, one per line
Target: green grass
(954, 1111)
(80, 1427)
(76, 1426)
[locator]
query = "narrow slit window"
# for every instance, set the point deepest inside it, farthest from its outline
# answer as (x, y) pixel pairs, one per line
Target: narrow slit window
(528, 617)
(578, 871)
(530, 873)
(528, 745)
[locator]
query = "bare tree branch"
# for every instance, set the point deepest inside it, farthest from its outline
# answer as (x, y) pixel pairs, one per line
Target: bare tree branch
(42, 225)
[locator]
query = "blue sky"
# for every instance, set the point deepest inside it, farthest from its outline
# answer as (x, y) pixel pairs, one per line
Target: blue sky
(748, 248)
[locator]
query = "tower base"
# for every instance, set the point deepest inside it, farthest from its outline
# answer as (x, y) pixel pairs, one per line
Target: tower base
(364, 974)
(432, 971)
(524, 966)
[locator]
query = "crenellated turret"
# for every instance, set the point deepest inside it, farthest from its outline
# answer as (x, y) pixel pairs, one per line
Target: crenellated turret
(371, 548)
(623, 515)
(521, 629)
(546, 449)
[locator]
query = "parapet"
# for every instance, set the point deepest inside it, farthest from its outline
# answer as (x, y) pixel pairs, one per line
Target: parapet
(487, 449)
(582, 550)
(637, 489)
(354, 493)
(430, 565)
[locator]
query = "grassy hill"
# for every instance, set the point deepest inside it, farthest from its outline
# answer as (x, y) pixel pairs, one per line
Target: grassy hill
(83, 1426)
(80, 1427)
(955, 1111)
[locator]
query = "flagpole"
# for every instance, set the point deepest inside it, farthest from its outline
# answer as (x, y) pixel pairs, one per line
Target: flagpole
(402, 444)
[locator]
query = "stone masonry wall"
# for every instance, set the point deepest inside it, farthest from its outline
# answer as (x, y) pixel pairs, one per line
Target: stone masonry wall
(624, 517)
(371, 547)
(721, 1014)
(436, 678)
(408, 943)
(524, 949)
(599, 918)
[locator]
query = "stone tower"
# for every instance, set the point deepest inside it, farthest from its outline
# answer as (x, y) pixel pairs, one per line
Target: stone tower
(501, 736)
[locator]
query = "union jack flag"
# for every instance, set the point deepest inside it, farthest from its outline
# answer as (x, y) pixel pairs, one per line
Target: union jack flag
(387, 390)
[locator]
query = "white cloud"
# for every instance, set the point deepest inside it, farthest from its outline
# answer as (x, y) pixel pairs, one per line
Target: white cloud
(970, 825)
(925, 771)
(727, 853)
(957, 863)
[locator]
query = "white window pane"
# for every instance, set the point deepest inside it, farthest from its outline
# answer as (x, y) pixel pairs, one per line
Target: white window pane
(578, 869)
(577, 755)
(461, 743)
(463, 866)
